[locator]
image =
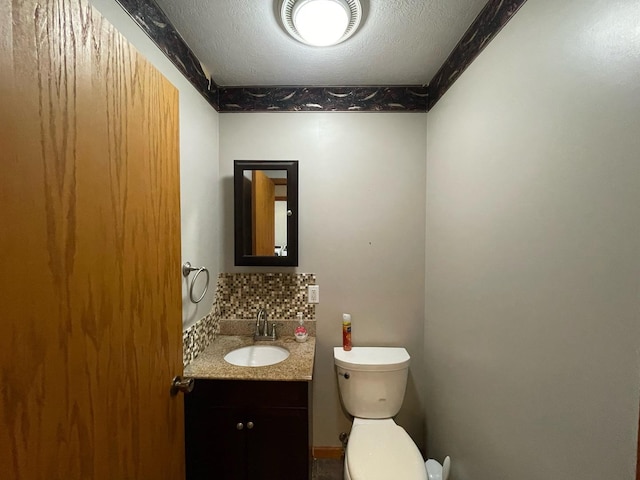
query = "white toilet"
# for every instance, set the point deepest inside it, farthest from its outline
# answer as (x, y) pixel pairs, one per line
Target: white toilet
(372, 382)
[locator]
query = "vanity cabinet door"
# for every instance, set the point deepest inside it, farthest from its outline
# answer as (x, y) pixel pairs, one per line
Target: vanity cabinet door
(247, 430)
(215, 446)
(277, 444)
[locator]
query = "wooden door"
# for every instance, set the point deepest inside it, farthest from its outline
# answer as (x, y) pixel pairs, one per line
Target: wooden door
(90, 245)
(263, 196)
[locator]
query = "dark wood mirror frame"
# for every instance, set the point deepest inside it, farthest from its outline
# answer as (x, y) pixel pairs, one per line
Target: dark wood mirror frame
(241, 229)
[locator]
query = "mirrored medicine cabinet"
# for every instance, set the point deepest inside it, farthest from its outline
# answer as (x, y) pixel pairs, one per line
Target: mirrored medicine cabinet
(266, 212)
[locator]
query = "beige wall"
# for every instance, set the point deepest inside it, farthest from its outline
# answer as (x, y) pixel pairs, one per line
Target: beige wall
(199, 179)
(362, 197)
(533, 250)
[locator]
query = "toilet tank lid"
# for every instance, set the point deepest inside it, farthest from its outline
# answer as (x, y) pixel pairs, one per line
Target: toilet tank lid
(372, 358)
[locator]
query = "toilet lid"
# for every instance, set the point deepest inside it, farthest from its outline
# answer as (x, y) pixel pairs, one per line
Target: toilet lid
(383, 452)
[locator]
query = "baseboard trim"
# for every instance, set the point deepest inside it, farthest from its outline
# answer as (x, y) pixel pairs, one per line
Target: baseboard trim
(327, 452)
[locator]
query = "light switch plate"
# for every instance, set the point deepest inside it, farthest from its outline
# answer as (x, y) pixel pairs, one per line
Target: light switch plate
(313, 293)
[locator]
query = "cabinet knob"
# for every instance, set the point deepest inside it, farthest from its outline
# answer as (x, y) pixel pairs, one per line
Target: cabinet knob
(239, 426)
(249, 425)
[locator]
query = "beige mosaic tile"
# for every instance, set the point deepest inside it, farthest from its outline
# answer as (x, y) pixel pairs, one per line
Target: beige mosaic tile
(198, 337)
(283, 295)
(238, 298)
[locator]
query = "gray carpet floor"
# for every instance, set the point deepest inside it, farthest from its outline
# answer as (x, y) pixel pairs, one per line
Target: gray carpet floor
(327, 469)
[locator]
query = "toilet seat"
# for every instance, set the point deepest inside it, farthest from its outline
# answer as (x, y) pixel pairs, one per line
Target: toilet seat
(382, 450)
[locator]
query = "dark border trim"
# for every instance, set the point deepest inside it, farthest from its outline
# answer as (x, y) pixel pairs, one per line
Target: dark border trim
(323, 99)
(153, 21)
(495, 15)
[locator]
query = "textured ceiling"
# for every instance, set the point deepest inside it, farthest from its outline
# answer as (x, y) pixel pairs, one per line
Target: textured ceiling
(400, 42)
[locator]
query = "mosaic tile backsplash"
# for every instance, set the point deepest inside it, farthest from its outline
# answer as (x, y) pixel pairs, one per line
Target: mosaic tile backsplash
(283, 295)
(199, 335)
(239, 296)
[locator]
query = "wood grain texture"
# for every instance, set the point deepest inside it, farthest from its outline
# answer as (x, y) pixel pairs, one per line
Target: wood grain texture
(90, 291)
(263, 214)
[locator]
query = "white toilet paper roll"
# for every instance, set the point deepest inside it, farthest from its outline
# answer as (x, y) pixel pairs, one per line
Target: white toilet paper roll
(435, 471)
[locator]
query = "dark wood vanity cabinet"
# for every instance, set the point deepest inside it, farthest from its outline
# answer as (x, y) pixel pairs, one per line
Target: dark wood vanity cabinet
(248, 430)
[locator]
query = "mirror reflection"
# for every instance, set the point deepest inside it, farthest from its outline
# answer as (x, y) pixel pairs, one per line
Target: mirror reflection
(264, 194)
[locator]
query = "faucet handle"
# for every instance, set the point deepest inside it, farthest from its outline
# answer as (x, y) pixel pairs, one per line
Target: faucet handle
(273, 331)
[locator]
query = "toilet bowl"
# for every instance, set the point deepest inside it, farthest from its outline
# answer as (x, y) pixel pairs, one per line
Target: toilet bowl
(372, 383)
(381, 449)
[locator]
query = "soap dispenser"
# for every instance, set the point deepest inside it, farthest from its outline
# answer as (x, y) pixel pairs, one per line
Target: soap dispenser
(301, 331)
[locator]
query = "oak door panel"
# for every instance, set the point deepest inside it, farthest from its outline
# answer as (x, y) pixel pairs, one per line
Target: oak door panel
(263, 210)
(90, 290)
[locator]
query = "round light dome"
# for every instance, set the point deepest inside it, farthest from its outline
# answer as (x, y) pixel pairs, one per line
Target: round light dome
(321, 23)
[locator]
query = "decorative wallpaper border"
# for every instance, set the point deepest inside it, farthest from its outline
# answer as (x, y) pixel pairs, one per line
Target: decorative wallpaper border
(495, 15)
(324, 99)
(153, 21)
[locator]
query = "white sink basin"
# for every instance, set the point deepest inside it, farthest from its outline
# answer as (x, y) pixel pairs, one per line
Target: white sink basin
(256, 356)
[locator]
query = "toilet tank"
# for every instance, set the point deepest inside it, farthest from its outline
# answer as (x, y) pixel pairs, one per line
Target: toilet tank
(372, 380)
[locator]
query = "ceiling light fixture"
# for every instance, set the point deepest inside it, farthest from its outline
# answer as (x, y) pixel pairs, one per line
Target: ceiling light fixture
(321, 23)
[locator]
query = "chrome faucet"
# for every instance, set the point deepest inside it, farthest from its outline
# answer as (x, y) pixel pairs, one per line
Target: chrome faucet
(261, 322)
(262, 327)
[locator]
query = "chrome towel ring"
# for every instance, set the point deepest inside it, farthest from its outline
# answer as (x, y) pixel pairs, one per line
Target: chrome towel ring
(186, 270)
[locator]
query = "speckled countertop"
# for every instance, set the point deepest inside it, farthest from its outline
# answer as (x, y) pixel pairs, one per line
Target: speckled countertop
(211, 364)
